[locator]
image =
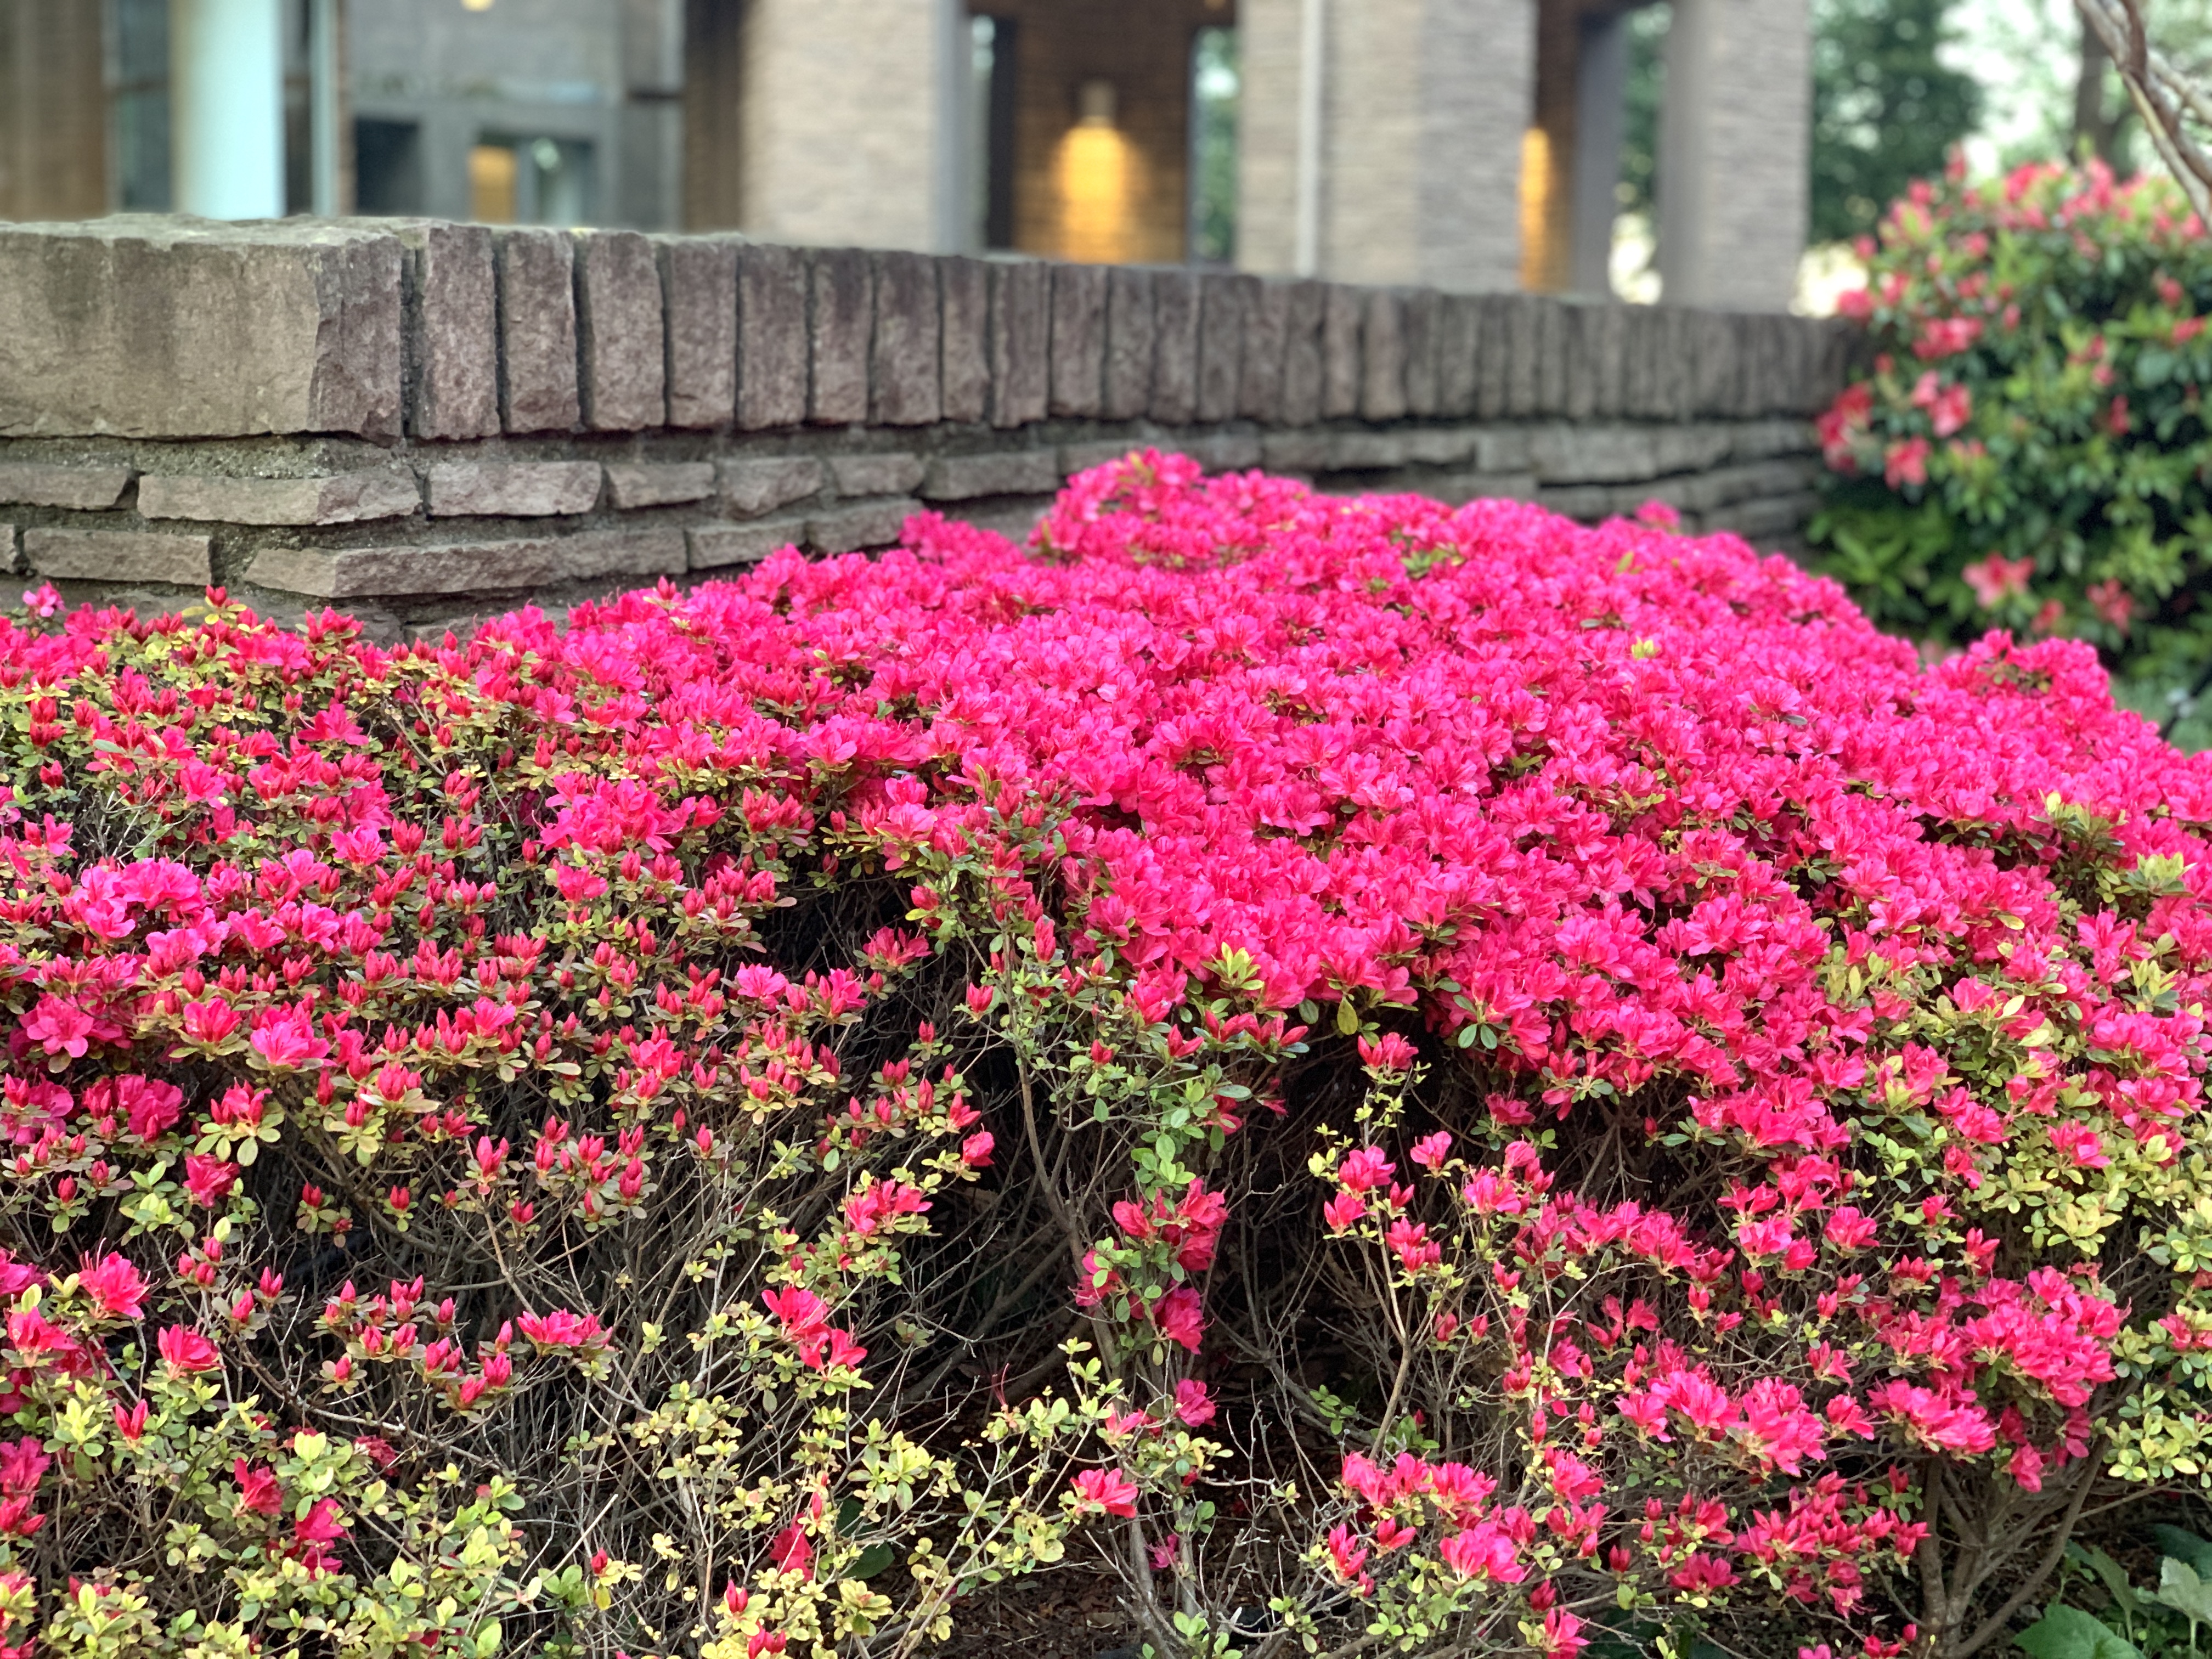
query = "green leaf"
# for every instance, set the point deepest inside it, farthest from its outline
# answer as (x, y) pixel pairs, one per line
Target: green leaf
(2070, 1633)
(2180, 1588)
(2184, 1545)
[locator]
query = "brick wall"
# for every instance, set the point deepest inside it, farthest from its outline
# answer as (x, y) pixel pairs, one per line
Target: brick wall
(420, 421)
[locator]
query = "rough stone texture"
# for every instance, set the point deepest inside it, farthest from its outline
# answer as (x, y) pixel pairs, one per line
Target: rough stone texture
(1301, 453)
(1422, 318)
(1081, 457)
(1176, 323)
(88, 488)
(1459, 345)
(849, 529)
(1267, 336)
(631, 484)
(1597, 454)
(893, 474)
(452, 331)
(355, 573)
(841, 319)
(537, 330)
(699, 296)
(633, 551)
(1383, 355)
(1218, 451)
(1129, 343)
(1012, 472)
(1223, 302)
(1020, 340)
(349, 498)
(620, 335)
(1303, 304)
(904, 386)
(1079, 339)
(514, 489)
(965, 290)
(751, 488)
(157, 327)
(716, 546)
(772, 345)
(1341, 374)
(119, 556)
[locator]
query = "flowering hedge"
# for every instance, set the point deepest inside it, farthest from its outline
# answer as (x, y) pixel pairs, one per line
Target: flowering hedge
(1403, 1079)
(2030, 451)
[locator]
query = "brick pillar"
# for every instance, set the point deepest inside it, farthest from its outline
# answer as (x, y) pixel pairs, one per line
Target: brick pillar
(53, 111)
(839, 119)
(1423, 108)
(1733, 141)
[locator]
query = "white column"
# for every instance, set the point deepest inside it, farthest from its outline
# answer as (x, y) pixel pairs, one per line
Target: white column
(1601, 114)
(226, 102)
(323, 59)
(956, 129)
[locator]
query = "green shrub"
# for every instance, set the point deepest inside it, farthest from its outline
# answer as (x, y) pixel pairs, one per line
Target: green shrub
(2030, 451)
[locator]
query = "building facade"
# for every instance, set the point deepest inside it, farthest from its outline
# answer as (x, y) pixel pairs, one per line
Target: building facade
(1463, 144)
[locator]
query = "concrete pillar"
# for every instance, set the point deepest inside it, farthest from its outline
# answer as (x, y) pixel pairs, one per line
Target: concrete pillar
(840, 118)
(1734, 134)
(1423, 108)
(227, 103)
(1600, 114)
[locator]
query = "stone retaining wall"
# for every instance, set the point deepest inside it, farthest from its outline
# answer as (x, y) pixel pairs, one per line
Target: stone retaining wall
(420, 420)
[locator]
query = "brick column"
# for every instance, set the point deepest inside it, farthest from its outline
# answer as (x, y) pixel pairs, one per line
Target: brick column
(840, 114)
(1734, 141)
(1423, 108)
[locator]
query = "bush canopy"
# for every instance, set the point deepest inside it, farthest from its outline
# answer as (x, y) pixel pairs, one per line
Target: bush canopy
(1401, 1080)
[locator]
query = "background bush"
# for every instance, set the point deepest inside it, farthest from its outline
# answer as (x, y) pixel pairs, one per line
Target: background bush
(1395, 1079)
(2030, 451)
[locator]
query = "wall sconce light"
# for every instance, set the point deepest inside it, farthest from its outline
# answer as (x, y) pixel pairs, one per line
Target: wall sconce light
(477, 5)
(1095, 102)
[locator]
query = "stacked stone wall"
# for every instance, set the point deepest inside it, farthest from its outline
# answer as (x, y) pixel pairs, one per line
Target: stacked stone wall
(420, 422)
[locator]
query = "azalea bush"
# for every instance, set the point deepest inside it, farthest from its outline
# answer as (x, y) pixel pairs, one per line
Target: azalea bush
(2030, 449)
(1398, 1080)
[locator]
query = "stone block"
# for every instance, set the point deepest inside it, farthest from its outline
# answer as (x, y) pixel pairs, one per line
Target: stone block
(620, 340)
(965, 292)
(1009, 472)
(659, 484)
(1598, 373)
(1127, 391)
(719, 546)
(1769, 520)
(772, 343)
(513, 490)
(1549, 321)
(537, 387)
(1503, 449)
(347, 498)
(1458, 489)
(1221, 452)
(1690, 447)
(699, 299)
(841, 317)
(157, 327)
(1222, 303)
(626, 552)
(894, 474)
(353, 573)
(1304, 302)
(1081, 457)
(1341, 374)
(1366, 452)
(1641, 331)
(1783, 435)
(1422, 315)
(118, 555)
(1020, 341)
(1727, 485)
(849, 529)
(1459, 343)
(751, 488)
(1496, 351)
(1583, 502)
(1564, 455)
(1079, 339)
(1266, 335)
(452, 331)
(1176, 323)
(903, 388)
(1382, 356)
(1441, 446)
(1716, 365)
(38, 483)
(1305, 452)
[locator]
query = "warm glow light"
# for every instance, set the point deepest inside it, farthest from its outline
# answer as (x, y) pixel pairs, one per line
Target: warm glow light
(1536, 185)
(1094, 169)
(491, 184)
(477, 5)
